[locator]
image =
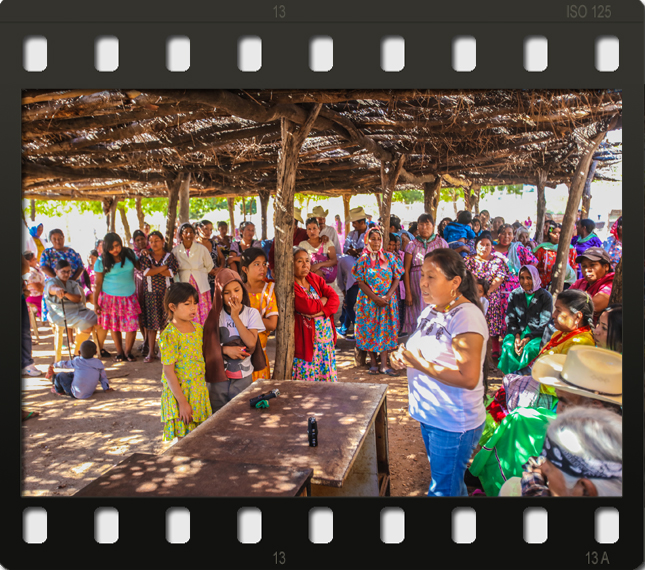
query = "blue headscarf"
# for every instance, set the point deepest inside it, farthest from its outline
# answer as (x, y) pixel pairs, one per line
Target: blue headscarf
(33, 230)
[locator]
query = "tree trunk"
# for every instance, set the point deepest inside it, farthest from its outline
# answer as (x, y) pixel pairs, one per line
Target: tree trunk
(390, 172)
(571, 211)
(541, 205)
(173, 199)
(33, 210)
(244, 207)
(126, 225)
(231, 215)
(617, 286)
(586, 195)
(292, 141)
(346, 198)
(184, 199)
(264, 206)
(140, 216)
(453, 193)
(468, 199)
(113, 207)
(477, 189)
(431, 195)
(107, 204)
(379, 200)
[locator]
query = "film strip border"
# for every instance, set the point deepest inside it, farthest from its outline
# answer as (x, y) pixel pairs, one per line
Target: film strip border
(357, 539)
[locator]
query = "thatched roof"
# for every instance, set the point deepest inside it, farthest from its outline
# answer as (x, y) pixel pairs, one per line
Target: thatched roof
(125, 143)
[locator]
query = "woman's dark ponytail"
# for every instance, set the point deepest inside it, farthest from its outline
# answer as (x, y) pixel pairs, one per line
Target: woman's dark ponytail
(577, 301)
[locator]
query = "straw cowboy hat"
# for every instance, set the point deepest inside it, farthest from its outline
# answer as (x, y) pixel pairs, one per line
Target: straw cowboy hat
(588, 371)
(318, 212)
(297, 214)
(356, 214)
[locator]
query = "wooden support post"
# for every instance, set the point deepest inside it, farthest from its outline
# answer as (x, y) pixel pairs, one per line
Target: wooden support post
(346, 198)
(126, 225)
(264, 207)
(617, 286)
(390, 172)
(173, 199)
(244, 207)
(586, 194)
(113, 208)
(184, 199)
(431, 195)
(292, 141)
(231, 215)
(33, 210)
(571, 211)
(476, 193)
(541, 204)
(140, 214)
(106, 203)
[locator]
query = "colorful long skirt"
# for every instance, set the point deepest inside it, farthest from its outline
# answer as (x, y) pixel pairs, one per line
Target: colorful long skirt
(322, 367)
(509, 361)
(205, 303)
(412, 312)
(119, 314)
(376, 327)
(196, 393)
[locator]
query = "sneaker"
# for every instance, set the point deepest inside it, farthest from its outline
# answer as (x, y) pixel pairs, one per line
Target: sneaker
(31, 370)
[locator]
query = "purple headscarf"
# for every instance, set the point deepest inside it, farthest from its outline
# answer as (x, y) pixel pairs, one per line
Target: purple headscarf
(537, 282)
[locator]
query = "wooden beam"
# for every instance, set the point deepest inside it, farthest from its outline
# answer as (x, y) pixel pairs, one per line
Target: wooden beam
(292, 141)
(264, 194)
(231, 215)
(431, 195)
(346, 199)
(173, 199)
(390, 173)
(541, 204)
(184, 199)
(571, 211)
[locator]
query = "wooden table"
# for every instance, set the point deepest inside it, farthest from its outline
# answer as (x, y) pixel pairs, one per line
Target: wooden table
(352, 454)
(145, 475)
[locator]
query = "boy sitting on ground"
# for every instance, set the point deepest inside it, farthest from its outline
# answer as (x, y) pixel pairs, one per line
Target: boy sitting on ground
(88, 372)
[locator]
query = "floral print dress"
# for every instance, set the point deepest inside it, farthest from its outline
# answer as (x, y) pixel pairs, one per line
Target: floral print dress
(322, 367)
(267, 305)
(154, 289)
(184, 350)
(495, 267)
(377, 327)
(418, 250)
(526, 257)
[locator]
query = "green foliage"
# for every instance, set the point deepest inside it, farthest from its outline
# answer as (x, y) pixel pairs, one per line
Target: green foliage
(408, 196)
(199, 207)
(250, 205)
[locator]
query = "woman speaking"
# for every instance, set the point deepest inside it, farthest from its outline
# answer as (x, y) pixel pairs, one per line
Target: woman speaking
(444, 358)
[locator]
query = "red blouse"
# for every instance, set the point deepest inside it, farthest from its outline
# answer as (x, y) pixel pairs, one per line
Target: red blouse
(305, 332)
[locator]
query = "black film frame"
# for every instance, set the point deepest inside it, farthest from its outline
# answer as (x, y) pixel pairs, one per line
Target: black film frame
(357, 28)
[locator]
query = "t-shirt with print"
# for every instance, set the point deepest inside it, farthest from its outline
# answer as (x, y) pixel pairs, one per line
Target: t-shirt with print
(431, 402)
(228, 332)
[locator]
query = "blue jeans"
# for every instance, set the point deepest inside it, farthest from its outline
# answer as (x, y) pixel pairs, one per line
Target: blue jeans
(63, 383)
(348, 318)
(448, 453)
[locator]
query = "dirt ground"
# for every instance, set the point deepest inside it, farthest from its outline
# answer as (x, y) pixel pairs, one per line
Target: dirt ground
(72, 442)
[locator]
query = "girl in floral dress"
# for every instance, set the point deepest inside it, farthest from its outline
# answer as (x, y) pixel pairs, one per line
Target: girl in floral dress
(316, 304)
(195, 263)
(491, 266)
(613, 245)
(423, 243)
(184, 399)
(254, 267)
(546, 254)
(377, 310)
(158, 268)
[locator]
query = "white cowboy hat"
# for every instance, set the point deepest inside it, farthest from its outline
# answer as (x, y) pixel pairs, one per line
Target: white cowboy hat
(588, 371)
(318, 212)
(356, 214)
(297, 214)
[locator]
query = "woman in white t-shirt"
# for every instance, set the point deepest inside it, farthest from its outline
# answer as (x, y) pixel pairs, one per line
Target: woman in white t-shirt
(444, 358)
(322, 253)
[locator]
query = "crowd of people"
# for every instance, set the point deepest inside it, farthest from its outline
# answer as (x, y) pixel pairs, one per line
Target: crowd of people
(443, 302)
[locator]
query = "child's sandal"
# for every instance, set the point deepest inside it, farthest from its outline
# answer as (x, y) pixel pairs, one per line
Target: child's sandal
(119, 358)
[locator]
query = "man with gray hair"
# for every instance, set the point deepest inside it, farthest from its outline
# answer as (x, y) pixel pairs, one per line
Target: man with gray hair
(582, 456)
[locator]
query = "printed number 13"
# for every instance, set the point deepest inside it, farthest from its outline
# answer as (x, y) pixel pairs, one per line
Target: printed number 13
(279, 557)
(280, 10)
